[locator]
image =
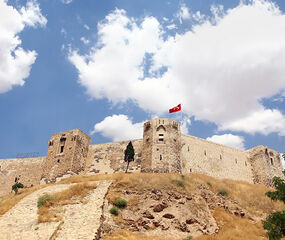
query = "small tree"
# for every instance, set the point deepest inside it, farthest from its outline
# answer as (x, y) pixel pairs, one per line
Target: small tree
(275, 222)
(129, 154)
(16, 187)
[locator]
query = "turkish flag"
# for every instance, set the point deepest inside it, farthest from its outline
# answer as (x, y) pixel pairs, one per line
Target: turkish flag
(175, 109)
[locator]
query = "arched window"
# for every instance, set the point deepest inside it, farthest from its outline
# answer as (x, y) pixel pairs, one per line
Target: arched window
(161, 128)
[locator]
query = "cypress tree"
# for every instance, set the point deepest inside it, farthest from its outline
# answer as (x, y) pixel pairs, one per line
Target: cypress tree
(129, 154)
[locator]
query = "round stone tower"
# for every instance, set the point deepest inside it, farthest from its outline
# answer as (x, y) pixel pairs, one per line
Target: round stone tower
(161, 146)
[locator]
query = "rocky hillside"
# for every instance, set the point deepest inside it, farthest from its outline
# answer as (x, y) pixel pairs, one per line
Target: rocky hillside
(151, 206)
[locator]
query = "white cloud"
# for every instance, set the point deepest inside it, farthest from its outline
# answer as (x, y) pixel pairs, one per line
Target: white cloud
(119, 128)
(197, 16)
(264, 121)
(183, 13)
(86, 27)
(220, 70)
(84, 40)
(15, 62)
(66, 1)
(171, 26)
(63, 32)
(31, 14)
(184, 126)
(229, 140)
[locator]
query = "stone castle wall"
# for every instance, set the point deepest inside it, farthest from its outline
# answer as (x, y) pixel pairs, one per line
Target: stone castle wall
(67, 151)
(161, 146)
(216, 160)
(162, 149)
(28, 170)
(266, 163)
(109, 158)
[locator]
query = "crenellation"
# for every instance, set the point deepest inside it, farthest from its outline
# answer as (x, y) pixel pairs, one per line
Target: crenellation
(162, 149)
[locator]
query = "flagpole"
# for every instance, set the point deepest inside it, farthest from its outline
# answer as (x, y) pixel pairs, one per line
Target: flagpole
(181, 117)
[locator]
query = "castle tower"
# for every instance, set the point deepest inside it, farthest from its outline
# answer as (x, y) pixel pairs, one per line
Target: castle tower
(161, 146)
(266, 164)
(67, 151)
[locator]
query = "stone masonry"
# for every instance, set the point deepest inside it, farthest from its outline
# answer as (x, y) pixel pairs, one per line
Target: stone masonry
(163, 149)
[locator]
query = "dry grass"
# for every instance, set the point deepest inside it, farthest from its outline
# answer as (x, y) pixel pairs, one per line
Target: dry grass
(10, 200)
(51, 210)
(127, 235)
(250, 196)
(234, 228)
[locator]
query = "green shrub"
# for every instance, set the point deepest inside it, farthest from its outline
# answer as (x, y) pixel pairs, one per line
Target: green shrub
(274, 223)
(188, 238)
(183, 176)
(210, 184)
(114, 211)
(121, 203)
(43, 199)
(16, 186)
(223, 192)
(179, 182)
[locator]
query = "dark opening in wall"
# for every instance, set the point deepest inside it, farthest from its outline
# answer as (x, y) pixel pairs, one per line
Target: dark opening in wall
(61, 149)
(271, 160)
(58, 160)
(220, 157)
(147, 140)
(147, 127)
(236, 160)
(160, 137)
(50, 143)
(205, 153)
(266, 151)
(160, 157)
(245, 163)
(190, 169)
(188, 148)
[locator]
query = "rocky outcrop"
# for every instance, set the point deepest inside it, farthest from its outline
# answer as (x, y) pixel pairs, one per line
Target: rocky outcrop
(164, 212)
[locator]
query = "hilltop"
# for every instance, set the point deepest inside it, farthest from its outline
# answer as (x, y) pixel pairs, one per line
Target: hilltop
(159, 206)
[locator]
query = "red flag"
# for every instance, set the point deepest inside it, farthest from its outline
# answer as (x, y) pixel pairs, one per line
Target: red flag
(175, 109)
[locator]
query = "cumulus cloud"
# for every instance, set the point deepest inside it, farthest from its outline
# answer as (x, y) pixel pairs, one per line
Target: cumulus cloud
(264, 121)
(171, 26)
(229, 140)
(15, 62)
(220, 70)
(184, 125)
(119, 128)
(197, 16)
(31, 14)
(66, 1)
(86, 27)
(183, 13)
(84, 40)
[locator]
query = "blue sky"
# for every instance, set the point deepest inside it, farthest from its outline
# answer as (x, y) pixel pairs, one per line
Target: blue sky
(108, 66)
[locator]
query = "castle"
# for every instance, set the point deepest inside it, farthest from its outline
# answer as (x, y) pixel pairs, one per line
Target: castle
(163, 149)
